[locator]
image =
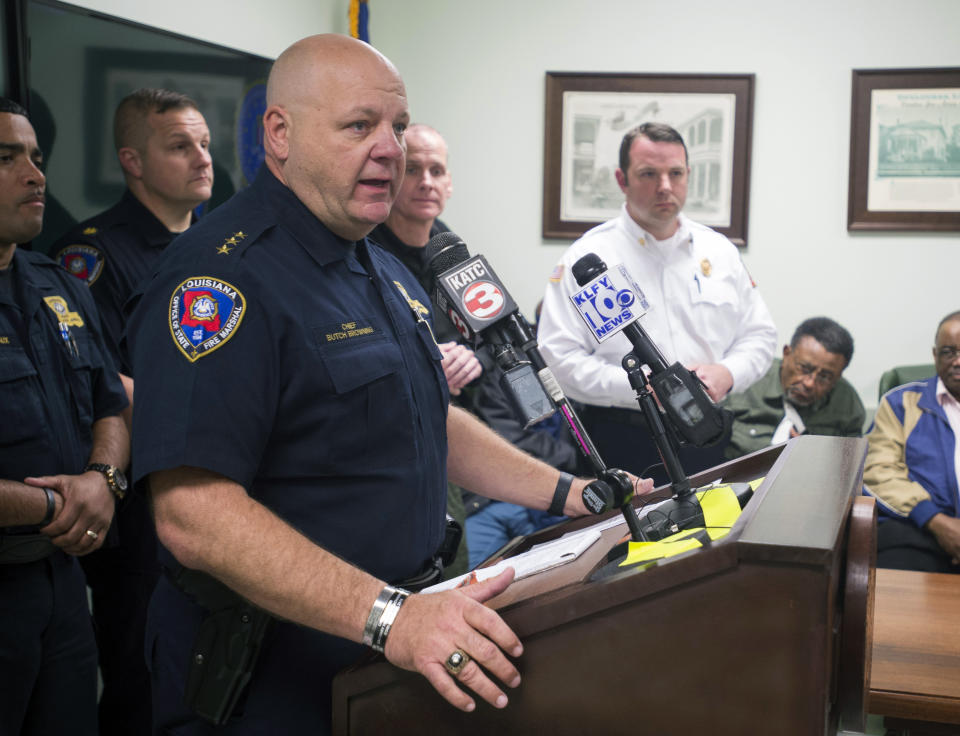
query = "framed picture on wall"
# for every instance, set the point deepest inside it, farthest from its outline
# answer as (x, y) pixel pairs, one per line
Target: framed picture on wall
(905, 150)
(587, 116)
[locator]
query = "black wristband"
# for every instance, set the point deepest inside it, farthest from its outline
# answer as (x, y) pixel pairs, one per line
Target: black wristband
(51, 507)
(560, 495)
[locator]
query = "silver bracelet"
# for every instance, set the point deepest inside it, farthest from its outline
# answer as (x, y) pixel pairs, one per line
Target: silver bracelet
(375, 613)
(387, 618)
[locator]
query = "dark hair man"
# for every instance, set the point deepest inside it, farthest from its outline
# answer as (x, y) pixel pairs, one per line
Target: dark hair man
(702, 307)
(293, 417)
(804, 393)
(163, 146)
(913, 461)
(60, 400)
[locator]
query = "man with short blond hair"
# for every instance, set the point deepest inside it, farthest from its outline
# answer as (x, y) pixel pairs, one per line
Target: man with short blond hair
(163, 148)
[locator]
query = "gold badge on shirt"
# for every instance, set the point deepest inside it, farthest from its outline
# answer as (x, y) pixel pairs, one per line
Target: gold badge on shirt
(60, 308)
(706, 267)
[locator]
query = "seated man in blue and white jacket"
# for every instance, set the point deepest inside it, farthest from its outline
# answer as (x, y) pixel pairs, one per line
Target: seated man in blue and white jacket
(912, 464)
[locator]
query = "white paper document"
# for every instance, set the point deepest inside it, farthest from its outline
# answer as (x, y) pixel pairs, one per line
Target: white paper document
(538, 558)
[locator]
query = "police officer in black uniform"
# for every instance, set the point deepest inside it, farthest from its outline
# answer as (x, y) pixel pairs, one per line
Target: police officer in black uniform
(62, 444)
(163, 144)
(292, 417)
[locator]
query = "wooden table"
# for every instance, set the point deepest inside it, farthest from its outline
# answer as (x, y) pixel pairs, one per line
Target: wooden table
(915, 675)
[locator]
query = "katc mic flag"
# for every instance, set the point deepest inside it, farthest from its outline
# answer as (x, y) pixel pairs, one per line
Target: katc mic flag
(359, 15)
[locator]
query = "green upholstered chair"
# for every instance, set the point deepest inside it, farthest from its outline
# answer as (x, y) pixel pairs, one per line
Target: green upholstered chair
(904, 374)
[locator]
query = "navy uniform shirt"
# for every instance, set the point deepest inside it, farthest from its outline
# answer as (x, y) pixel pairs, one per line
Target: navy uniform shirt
(415, 259)
(112, 252)
(56, 378)
(300, 366)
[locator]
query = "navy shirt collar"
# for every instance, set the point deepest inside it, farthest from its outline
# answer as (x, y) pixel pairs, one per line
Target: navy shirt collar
(154, 231)
(323, 245)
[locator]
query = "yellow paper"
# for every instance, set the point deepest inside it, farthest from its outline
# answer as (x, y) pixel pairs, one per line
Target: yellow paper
(720, 510)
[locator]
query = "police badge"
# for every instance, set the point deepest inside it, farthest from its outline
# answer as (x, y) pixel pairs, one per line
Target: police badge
(204, 314)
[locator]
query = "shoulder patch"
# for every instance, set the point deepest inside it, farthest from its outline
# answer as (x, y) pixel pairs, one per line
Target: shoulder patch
(556, 276)
(81, 260)
(205, 312)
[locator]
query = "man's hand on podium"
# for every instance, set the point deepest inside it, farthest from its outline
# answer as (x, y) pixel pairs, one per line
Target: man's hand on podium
(431, 626)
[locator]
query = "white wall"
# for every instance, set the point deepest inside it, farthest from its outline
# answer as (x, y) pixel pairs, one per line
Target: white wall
(475, 70)
(264, 27)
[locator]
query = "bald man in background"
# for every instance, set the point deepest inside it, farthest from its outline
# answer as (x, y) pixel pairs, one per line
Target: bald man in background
(292, 416)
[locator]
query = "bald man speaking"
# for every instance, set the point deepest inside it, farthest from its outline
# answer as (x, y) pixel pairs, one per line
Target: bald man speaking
(292, 417)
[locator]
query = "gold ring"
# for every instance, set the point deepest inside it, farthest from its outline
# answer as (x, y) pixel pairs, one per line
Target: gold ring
(93, 535)
(456, 662)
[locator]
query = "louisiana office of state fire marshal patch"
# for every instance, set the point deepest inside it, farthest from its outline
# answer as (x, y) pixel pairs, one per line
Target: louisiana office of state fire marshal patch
(205, 312)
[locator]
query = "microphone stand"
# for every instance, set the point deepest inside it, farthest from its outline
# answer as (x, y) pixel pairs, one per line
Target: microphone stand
(679, 481)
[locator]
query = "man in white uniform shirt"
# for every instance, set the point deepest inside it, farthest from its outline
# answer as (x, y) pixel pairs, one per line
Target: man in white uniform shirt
(702, 306)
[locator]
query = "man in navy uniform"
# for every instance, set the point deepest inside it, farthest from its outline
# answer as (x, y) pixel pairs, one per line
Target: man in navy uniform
(292, 416)
(62, 443)
(163, 146)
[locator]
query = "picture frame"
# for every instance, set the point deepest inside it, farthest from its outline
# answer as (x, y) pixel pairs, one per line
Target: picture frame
(905, 150)
(586, 116)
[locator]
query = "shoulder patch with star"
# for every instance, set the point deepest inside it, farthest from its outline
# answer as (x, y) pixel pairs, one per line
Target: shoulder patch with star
(81, 260)
(205, 312)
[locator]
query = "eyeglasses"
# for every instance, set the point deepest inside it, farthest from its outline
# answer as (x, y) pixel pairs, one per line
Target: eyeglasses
(948, 353)
(820, 376)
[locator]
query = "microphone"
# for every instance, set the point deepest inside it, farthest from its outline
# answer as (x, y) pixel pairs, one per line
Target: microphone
(606, 302)
(471, 294)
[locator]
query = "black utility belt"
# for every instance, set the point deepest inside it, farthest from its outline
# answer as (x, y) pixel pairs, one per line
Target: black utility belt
(20, 548)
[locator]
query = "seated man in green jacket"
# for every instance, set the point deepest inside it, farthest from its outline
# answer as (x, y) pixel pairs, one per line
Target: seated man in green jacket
(804, 393)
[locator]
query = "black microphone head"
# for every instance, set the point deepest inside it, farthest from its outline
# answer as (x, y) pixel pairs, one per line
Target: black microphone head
(588, 268)
(444, 251)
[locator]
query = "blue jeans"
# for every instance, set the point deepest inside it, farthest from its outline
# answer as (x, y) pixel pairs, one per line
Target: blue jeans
(497, 523)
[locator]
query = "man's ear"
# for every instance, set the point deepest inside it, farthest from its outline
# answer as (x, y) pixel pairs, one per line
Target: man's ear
(621, 179)
(276, 133)
(130, 162)
(786, 351)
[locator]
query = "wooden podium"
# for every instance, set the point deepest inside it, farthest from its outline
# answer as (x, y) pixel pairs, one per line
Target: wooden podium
(767, 628)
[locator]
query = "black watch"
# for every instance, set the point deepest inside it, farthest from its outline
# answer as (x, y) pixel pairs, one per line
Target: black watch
(116, 480)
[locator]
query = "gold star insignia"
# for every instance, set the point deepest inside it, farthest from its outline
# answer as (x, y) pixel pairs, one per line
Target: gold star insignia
(231, 241)
(240, 235)
(89, 231)
(224, 249)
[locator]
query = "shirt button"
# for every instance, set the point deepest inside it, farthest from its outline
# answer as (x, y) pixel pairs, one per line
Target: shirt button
(753, 431)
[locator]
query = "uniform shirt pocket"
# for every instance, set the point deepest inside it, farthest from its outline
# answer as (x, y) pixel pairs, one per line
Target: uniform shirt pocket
(23, 417)
(713, 291)
(368, 416)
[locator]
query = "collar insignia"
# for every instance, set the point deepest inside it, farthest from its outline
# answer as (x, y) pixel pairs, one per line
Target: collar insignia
(205, 313)
(415, 304)
(231, 242)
